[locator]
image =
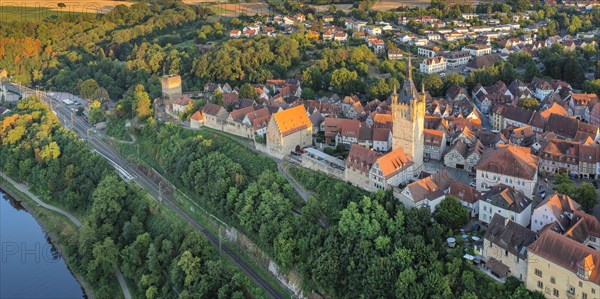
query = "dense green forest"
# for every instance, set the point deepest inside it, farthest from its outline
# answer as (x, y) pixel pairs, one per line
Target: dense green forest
(159, 254)
(346, 243)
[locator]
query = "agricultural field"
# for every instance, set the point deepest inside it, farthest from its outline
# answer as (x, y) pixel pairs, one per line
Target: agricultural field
(48, 6)
(343, 7)
(231, 10)
(384, 5)
(30, 14)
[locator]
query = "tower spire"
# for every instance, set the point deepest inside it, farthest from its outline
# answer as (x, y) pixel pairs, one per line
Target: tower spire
(394, 87)
(409, 67)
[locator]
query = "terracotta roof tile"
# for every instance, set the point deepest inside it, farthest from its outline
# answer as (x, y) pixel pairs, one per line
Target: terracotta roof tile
(567, 253)
(292, 120)
(361, 158)
(509, 160)
(394, 162)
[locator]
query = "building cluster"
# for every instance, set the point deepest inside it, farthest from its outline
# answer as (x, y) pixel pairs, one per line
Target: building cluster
(558, 256)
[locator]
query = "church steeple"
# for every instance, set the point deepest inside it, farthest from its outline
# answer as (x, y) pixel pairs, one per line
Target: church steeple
(394, 96)
(409, 92)
(410, 67)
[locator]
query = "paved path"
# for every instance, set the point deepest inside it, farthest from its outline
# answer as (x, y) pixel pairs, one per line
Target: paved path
(24, 189)
(283, 169)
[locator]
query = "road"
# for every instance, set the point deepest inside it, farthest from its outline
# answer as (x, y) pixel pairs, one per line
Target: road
(85, 131)
(283, 169)
(24, 189)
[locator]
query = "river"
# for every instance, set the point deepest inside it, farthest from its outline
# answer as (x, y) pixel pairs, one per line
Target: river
(30, 267)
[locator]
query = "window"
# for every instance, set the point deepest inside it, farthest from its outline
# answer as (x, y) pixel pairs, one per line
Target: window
(581, 284)
(540, 284)
(555, 292)
(505, 252)
(552, 280)
(592, 239)
(571, 290)
(593, 291)
(584, 296)
(538, 272)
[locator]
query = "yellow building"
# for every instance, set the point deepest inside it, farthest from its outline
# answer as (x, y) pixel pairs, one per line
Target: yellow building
(171, 87)
(561, 267)
(408, 112)
(288, 130)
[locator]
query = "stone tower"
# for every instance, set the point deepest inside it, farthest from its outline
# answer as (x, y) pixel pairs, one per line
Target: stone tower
(408, 112)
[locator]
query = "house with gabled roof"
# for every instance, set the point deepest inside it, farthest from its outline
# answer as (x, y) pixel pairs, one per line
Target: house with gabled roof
(382, 139)
(506, 201)
(427, 192)
(391, 170)
(181, 104)
(215, 116)
(196, 120)
(359, 162)
(466, 195)
(560, 155)
(580, 101)
(464, 156)
(257, 119)
(555, 207)
(434, 144)
(566, 264)
(288, 131)
(505, 247)
(512, 165)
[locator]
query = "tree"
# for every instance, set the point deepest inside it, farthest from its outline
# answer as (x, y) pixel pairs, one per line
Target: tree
(104, 262)
(88, 88)
(248, 92)
(434, 84)
(453, 78)
(379, 90)
(96, 115)
(587, 196)
(142, 102)
(190, 265)
(451, 213)
(529, 103)
(592, 86)
(564, 185)
(61, 5)
(308, 93)
(531, 71)
(50, 151)
(342, 80)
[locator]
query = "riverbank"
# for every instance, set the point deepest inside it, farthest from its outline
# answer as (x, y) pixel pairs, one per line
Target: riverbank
(57, 227)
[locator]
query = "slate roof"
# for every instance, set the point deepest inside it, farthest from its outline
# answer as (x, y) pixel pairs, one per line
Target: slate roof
(507, 198)
(509, 236)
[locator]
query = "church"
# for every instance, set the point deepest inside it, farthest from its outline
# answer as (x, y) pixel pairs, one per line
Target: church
(408, 113)
(373, 171)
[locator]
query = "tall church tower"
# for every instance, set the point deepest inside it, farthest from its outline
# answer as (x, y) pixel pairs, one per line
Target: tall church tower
(408, 112)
